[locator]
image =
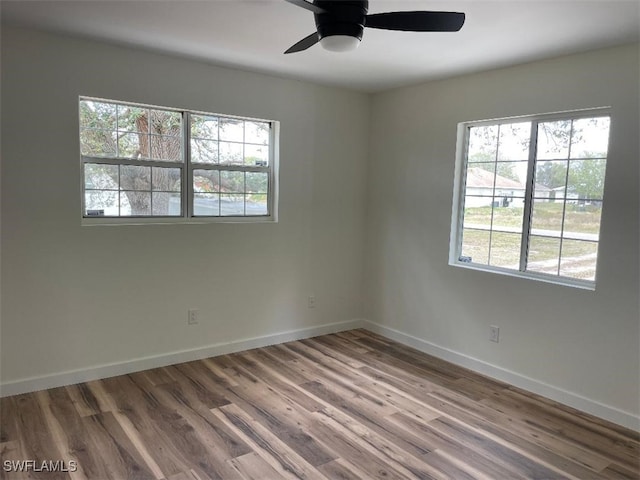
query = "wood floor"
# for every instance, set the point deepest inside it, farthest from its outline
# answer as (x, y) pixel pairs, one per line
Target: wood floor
(342, 406)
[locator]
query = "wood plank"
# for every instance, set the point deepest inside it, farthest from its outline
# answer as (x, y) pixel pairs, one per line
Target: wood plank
(160, 431)
(406, 442)
(282, 417)
(36, 441)
(103, 401)
(334, 351)
(8, 427)
(119, 457)
(10, 452)
(376, 445)
(515, 461)
(221, 443)
(66, 429)
(618, 472)
(277, 375)
(83, 399)
(341, 406)
(505, 437)
(251, 466)
(451, 469)
(587, 458)
(472, 457)
(618, 449)
(269, 447)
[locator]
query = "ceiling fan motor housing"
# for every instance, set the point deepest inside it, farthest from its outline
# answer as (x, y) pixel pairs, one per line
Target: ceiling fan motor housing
(345, 17)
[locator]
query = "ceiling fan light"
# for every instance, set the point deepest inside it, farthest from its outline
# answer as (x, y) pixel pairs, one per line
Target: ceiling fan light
(339, 43)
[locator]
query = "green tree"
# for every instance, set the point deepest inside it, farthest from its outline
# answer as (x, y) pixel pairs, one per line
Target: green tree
(586, 178)
(551, 174)
(114, 130)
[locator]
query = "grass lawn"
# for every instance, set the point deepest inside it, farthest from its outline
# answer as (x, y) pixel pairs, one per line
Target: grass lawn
(502, 249)
(546, 216)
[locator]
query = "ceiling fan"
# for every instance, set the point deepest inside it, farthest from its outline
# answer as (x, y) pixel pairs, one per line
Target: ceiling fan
(340, 23)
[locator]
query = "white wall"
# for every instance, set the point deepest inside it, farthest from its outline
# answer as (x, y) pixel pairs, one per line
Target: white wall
(74, 297)
(578, 343)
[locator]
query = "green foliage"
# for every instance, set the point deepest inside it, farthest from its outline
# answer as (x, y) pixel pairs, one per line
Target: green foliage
(586, 178)
(551, 174)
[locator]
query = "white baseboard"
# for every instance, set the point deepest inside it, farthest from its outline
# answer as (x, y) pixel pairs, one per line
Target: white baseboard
(136, 365)
(574, 400)
(606, 412)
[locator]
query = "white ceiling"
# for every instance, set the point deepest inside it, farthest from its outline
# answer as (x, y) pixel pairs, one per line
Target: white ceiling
(253, 34)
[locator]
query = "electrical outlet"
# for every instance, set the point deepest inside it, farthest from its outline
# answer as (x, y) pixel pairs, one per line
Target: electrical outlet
(193, 317)
(311, 301)
(494, 333)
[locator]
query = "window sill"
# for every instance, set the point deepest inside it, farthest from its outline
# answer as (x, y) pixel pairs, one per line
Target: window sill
(116, 221)
(540, 277)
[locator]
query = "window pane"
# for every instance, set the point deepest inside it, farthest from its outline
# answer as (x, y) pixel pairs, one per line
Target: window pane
(203, 126)
(514, 141)
(231, 204)
(510, 179)
(546, 218)
(166, 204)
(590, 138)
(166, 179)
(550, 179)
(257, 155)
(257, 182)
(475, 245)
(505, 250)
(232, 182)
(97, 115)
(508, 218)
(143, 139)
(483, 143)
(164, 147)
(206, 181)
(231, 153)
(582, 222)
(543, 255)
(99, 176)
(566, 195)
(164, 122)
(586, 179)
(256, 204)
(478, 216)
(101, 203)
(256, 132)
(480, 179)
(231, 130)
(135, 203)
(204, 151)
(578, 259)
(206, 204)
(553, 140)
(133, 145)
(97, 143)
(133, 119)
(133, 177)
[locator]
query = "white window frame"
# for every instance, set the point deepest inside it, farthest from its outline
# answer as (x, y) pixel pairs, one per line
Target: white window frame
(187, 167)
(457, 216)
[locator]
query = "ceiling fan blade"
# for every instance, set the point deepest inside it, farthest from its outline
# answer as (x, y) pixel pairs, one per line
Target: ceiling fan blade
(305, 43)
(307, 6)
(417, 21)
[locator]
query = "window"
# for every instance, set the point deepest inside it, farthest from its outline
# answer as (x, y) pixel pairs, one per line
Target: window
(529, 196)
(152, 164)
